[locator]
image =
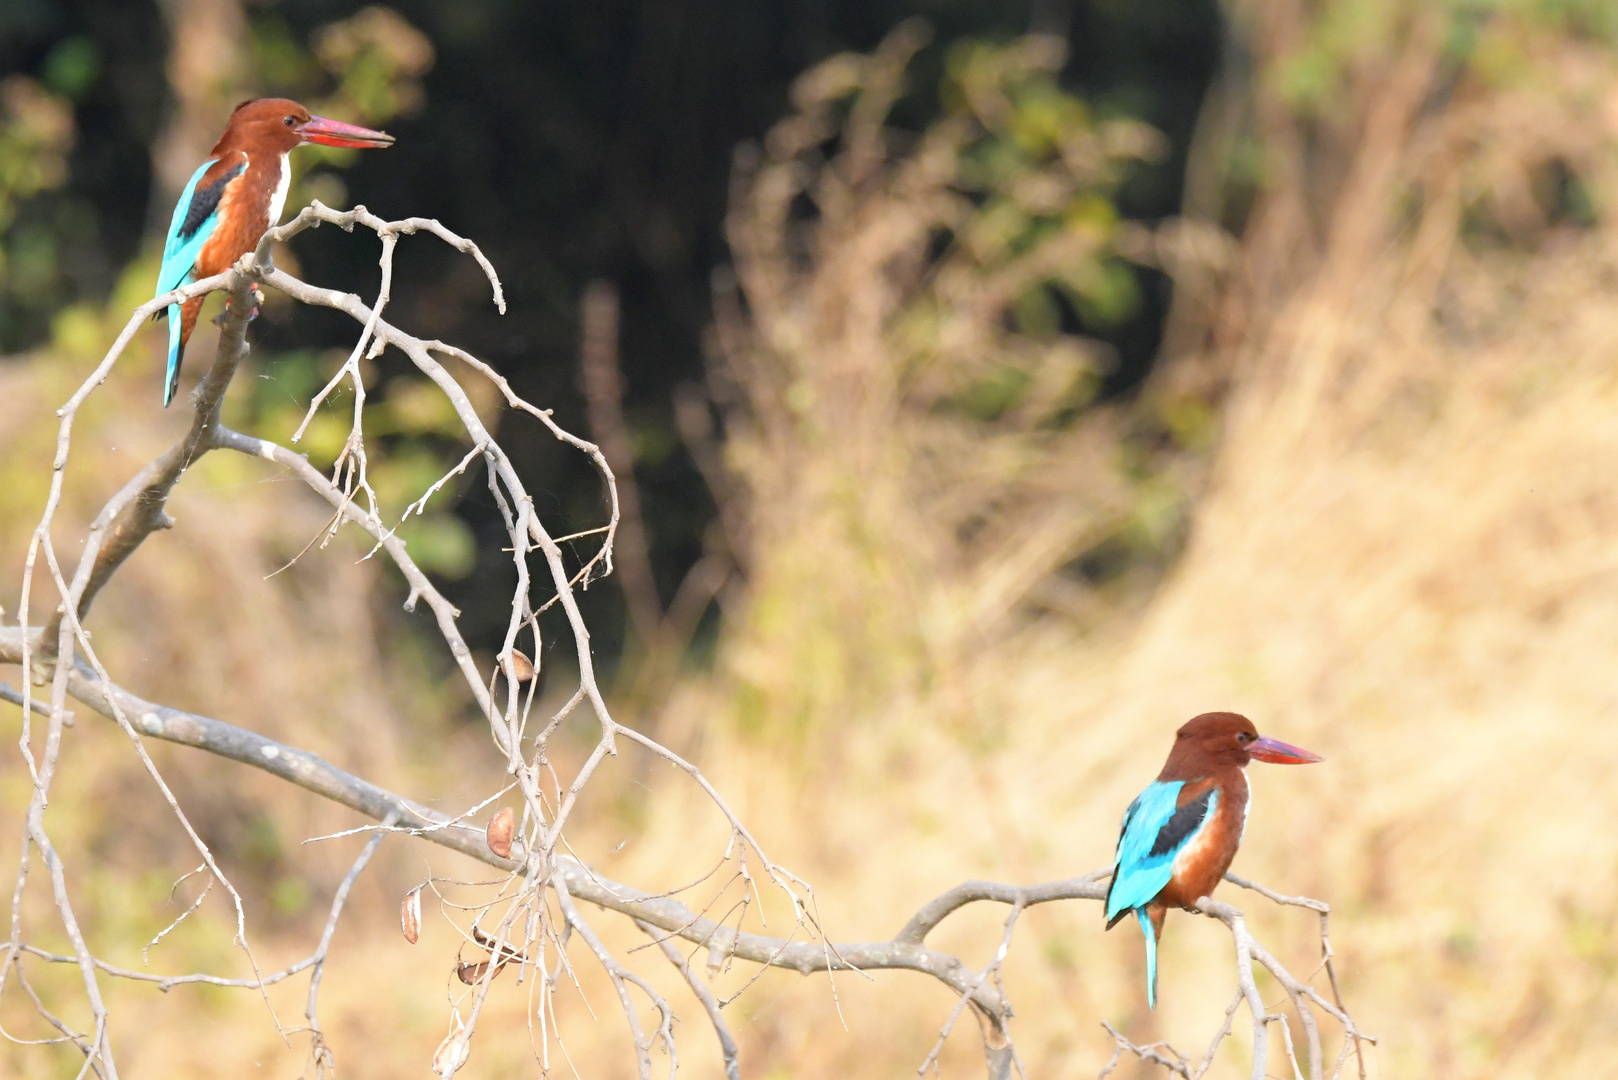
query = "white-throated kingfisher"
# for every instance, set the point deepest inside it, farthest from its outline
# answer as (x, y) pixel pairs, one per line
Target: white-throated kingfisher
(233, 197)
(1180, 834)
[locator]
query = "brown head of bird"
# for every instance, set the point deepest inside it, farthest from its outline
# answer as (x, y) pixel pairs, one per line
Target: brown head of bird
(280, 124)
(1225, 739)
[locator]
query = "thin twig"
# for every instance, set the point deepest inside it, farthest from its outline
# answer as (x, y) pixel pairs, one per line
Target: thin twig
(699, 989)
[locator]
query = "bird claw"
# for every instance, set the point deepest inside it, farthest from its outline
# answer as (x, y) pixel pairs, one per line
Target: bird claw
(258, 298)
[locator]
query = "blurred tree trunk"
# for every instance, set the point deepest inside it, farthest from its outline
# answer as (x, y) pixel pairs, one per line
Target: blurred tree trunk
(209, 71)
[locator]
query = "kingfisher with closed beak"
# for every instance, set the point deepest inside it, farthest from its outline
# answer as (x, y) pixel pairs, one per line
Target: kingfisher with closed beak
(236, 195)
(1181, 833)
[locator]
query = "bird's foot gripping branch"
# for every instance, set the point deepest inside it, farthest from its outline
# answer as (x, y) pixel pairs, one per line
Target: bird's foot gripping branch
(534, 911)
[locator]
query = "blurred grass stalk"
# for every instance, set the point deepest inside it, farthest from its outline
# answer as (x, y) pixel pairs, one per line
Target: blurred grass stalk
(910, 419)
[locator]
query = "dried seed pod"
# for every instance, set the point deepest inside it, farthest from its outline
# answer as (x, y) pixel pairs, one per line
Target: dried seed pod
(410, 915)
(501, 827)
(521, 666)
(452, 1052)
(471, 973)
(503, 953)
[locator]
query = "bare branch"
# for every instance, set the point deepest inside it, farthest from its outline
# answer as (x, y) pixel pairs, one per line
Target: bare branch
(537, 876)
(140, 506)
(318, 1048)
(621, 978)
(699, 990)
(1158, 1053)
(35, 705)
(905, 950)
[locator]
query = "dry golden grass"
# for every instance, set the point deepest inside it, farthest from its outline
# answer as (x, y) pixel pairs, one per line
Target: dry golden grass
(1403, 559)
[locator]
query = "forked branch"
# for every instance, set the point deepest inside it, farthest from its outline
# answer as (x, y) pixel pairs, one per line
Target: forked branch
(532, 908)
(61, 653)
(663, 916)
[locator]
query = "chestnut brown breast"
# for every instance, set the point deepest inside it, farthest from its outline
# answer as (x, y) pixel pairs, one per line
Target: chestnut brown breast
(1203, 863)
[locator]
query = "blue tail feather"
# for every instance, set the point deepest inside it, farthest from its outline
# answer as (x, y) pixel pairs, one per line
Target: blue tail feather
(1151, 956)
(171, 376)
(180, 251)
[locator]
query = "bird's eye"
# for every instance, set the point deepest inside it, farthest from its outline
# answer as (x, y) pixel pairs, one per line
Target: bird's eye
(1244, 738)
(290, 121)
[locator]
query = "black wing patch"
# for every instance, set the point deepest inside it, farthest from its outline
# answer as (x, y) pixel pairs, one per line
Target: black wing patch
(1182, 823)
(205, 200)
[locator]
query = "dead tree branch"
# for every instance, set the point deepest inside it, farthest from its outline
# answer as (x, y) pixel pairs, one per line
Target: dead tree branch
(324, 1065)
(62, 652)
(699, 990)
(654, 913)
(541, 878)
(140, 507)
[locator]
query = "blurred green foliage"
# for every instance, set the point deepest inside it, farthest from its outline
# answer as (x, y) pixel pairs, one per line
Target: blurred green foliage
(923, 396)
(72, 66)
(1031, 122)
(36, 134)
(1341, 35)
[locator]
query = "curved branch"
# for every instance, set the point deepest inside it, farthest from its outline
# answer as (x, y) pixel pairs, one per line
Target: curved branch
(905, 950)
(140, 506)
(699, 990)
(535, 864)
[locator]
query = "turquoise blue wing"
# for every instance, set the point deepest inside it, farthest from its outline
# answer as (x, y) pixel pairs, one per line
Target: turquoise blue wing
(1155, 831)
(187, 234)
(196, 216)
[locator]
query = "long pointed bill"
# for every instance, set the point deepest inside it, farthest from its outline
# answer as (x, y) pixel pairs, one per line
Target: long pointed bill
(1280, 753)
(336, 133)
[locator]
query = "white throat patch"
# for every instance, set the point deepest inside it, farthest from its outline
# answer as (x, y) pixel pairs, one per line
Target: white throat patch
(278, 200)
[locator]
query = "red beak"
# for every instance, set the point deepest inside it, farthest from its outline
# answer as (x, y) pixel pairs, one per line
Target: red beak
(336, 133)
(1280, 753)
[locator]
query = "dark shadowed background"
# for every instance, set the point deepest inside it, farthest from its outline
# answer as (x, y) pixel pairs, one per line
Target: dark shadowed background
(574, 142)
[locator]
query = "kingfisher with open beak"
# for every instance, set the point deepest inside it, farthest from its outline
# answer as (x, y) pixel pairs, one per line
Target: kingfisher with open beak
(1181, 833)
(236, 195)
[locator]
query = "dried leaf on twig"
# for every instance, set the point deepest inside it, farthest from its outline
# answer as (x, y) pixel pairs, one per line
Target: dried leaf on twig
(471, 973)
(453, 1051)
(410, 915)
(521, 667)
(507, 951)
(501, 827)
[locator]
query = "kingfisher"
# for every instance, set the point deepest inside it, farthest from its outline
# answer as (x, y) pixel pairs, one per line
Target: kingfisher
(1180, 834)
(236, 195)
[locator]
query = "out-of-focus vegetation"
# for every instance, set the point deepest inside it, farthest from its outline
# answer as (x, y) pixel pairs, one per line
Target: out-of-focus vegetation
(897, 387)
(1364, 497)
(36, 133)
(575, 142)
